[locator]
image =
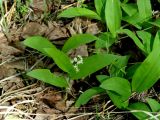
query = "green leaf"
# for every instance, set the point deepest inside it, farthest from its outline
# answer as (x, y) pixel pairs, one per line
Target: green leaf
(38, 43)
(94, 63)
(87, 95)
(113, 15)
(105, 40)
(102, 78)
(146, 39)
(117, 69)
(61, 59)
(134, 38)
(125, 1)
(77, 40)
(134, 20)
(129, 8)
(156, 43)
(118, 85)
(118, 100)
(46, 76)
(154, 105)
(140, 107)
(79, 12)
(147, 73)
(144, 7)
(131, 70)
(156, 22)
(100, 7)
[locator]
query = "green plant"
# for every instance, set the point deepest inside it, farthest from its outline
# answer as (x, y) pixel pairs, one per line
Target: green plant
(22, 8)
(117, 85)
(87, 66)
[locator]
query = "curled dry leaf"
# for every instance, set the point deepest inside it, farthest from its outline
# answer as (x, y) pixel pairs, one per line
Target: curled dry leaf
(55, 31)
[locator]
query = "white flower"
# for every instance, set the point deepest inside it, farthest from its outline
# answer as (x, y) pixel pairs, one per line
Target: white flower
(76, 61)
(76, 68)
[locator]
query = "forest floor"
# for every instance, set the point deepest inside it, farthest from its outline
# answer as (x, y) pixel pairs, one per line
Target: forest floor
(24, 98)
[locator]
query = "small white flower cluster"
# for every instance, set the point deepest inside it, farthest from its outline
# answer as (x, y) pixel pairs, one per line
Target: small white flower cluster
(76, 61)
(155, 12)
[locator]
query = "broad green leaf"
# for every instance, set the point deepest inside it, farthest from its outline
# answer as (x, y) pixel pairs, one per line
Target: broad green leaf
(134, 38)
(38, 43)
(61, 59)
(131, 70)
(117, 69)
(147, 73)
(140, 107)
(87, 95)
(129, 8)
(118, 100)
(79, 12)
(46, 76)
(100, 7)
(156, 43)
(146, 39)
(118, 85)
(94, 63)
(102, 78)
(113, 15)
(134, 20)
(78, 40)
(144, 7)
(156, 23)
(154, 105)
(125, 1)
(105, 40)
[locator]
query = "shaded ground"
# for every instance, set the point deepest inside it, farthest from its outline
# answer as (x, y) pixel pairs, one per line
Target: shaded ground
(26, 98)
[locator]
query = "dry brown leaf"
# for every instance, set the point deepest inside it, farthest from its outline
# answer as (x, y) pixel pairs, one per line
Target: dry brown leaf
(93, 29)
(33, 28)
(61, 105)
(41, 5)
(81, 50)
(48, 112)
(58, 33)
(14, 34)
(6, 50)
(19, 64)
(4, 72)
(55, 31)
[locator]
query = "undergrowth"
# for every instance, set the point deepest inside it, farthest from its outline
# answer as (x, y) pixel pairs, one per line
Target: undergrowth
(123, 19)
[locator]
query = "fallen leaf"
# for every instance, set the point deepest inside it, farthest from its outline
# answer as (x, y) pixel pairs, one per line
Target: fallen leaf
(33, 28)
(58, 33)
(18, 64)
(61, 105)
(6, 50)
(93, 29)
(81, 50)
